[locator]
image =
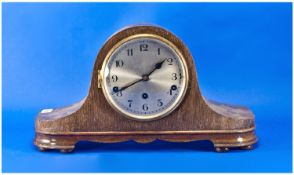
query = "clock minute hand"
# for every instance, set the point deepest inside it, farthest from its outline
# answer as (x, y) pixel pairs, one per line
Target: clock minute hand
(127, 86)
(144, 77)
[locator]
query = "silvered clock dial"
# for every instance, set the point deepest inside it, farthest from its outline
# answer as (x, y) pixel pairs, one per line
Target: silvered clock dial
(144, 77)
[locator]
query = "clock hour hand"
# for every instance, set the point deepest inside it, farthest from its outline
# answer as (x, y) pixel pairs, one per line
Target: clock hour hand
(157, 66)
(144, 78)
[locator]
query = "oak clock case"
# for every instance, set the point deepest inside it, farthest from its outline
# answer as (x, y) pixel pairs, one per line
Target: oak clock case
(144, 87)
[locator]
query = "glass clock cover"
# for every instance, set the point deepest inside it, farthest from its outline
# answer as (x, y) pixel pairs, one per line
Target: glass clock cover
(144, 77)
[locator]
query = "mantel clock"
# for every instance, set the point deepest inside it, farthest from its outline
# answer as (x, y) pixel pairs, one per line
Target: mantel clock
(144, 87)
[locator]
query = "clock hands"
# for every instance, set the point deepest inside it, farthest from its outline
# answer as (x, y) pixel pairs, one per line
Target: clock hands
(125, 87)
(157, 66)
(144, 78)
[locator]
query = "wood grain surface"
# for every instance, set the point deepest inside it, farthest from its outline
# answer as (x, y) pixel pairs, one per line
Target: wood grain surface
(94, 114)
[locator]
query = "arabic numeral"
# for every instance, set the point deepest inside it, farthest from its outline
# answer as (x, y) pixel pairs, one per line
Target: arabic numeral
(119, 63)
(145, 107)
(159, 103)
(119, 94)
(130, 52)
(174, 76)
(143, 47)
(170, 61)
(130, 103)
(114, 78)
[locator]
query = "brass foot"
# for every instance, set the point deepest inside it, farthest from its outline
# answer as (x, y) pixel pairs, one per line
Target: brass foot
(66, 150)
(222, 149)
(248, 147)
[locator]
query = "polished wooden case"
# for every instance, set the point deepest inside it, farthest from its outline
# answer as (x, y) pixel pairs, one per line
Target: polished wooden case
(196, 118)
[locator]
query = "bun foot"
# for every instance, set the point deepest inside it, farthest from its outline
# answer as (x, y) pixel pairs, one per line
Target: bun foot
(248, 147)
(222, 149)
(66, 150)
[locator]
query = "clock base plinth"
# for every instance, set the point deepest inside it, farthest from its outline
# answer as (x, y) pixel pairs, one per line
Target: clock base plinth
(222, 140)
